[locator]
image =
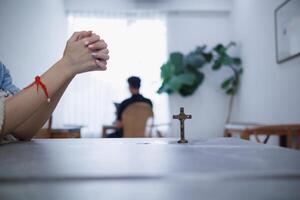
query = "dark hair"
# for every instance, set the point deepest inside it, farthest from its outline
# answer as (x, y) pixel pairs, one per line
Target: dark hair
(134, 82)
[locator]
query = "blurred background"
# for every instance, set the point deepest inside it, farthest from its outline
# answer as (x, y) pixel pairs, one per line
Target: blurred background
(141, 34)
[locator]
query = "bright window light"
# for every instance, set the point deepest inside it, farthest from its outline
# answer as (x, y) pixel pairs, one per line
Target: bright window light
(138, 46)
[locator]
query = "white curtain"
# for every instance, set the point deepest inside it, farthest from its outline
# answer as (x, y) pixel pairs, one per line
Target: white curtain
(137, 44)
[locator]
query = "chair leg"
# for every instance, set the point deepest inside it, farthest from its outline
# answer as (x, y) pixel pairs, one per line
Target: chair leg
(227, 133)
(104, 135)
(298, 144)
(266, 139)
(289, 140)
(283, 140)
(159, 134)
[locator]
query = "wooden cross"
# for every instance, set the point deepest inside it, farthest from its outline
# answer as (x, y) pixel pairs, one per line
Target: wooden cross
(181, 117)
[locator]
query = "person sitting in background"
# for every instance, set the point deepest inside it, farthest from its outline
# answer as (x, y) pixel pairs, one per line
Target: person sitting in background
(134, 88)
(27, 110)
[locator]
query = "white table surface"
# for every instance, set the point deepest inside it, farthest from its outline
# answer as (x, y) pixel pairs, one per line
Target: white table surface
(223, 168)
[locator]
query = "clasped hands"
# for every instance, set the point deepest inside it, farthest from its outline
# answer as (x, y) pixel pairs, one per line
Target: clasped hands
(86, 51)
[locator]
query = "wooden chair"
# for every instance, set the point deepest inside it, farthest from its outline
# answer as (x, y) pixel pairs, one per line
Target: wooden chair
(134, 119)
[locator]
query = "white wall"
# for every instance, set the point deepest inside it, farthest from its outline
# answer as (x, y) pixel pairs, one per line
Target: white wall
(33, 35)
(209, 103)
(190, 23)
(269, 92)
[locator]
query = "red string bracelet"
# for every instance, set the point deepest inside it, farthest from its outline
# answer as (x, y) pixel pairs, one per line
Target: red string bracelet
(38, 83)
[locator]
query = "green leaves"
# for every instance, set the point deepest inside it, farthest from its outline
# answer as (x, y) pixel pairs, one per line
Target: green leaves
(227, 82)
(220, 49)
(177, 61)
(217, 65)
(198, 58)
(236, 61)
(230, 85)
(187, 90)
(181, 73)
(183, 79)
(195, 60)
(166, 72)
(176, 82)
(222, 58)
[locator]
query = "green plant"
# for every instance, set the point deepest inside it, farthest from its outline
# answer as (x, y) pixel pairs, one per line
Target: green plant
(222, 59)
(229, 85)
(181, 73)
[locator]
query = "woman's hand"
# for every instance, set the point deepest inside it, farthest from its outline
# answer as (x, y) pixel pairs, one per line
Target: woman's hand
(86, 52)
(100, 53)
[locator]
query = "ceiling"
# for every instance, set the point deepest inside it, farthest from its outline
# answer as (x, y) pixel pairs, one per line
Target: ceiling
(157, 5)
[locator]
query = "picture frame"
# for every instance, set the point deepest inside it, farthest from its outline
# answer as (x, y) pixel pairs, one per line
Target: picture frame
(287, 30)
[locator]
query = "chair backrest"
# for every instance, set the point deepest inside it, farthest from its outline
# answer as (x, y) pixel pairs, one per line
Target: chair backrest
(134, 119)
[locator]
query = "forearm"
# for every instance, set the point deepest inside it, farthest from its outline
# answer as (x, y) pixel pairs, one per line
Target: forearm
(32, 125)
(27, 111)
(22, 106)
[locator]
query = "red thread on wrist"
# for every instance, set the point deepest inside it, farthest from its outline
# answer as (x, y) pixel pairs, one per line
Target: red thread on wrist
(38, 83)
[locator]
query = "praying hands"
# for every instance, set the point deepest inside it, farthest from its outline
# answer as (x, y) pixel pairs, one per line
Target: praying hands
(26, 112)
(86, 52)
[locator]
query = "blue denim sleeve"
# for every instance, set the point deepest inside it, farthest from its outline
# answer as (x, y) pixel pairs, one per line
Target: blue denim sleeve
(6, 83)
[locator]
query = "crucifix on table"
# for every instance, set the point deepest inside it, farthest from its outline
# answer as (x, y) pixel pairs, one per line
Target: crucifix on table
(182, 117)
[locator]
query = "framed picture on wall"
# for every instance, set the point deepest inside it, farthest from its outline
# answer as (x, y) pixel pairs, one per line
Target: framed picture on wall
(287, 30)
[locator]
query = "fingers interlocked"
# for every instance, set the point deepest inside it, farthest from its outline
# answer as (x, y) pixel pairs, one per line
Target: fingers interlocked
(98, 48)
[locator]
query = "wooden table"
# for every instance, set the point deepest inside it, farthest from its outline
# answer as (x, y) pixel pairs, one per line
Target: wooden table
(223, 168)
(66, 132)
(285, 132)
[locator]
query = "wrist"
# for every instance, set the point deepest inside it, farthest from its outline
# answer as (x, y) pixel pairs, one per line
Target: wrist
(68, 68)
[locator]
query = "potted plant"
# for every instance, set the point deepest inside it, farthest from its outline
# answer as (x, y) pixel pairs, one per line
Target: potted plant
(182, 73)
